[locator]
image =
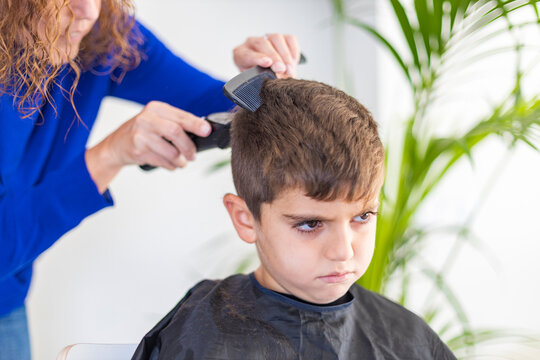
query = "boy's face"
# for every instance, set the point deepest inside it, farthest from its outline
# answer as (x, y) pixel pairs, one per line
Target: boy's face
(314, 250)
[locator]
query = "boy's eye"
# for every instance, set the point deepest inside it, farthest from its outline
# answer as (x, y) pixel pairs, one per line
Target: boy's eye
(364, 218)
(308, 226)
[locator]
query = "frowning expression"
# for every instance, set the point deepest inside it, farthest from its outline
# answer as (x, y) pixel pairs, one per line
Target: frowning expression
(314, 249)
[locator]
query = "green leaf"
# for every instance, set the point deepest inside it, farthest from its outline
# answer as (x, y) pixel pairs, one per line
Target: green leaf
(384, 42)
(436, 34)
(497, 336)
(533, 4)
(219, 165)
(408, 32)
(339, 8)
(425, 28)
(453, 301)
(458, 7)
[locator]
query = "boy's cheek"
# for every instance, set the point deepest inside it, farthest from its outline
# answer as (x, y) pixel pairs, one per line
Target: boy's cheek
(364, 255)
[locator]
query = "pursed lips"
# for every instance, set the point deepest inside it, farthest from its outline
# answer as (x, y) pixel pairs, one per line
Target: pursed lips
(337, 277)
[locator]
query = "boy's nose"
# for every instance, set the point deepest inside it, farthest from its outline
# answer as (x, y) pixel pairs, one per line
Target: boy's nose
(86, 9)
(340, 246)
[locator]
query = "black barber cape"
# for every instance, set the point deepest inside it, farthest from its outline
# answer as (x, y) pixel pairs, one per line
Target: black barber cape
(236, 318)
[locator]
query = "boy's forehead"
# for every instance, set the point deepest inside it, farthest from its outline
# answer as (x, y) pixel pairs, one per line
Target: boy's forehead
(296, 200)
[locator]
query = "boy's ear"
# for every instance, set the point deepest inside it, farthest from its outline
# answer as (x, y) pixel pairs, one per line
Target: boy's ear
(241, 217)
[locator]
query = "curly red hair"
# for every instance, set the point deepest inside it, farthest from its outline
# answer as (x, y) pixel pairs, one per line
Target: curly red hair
(26, 68)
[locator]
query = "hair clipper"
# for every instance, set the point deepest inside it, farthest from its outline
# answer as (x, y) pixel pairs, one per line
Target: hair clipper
(219, 136)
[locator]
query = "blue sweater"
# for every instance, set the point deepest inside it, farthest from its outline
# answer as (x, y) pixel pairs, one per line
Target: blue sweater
(45, 187)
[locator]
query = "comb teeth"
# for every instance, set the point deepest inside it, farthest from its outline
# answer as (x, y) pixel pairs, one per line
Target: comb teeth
(249, 93)
(244, 89)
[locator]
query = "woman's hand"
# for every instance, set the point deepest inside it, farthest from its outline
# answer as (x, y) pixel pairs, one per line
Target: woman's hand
(140, 140)
(276, 51)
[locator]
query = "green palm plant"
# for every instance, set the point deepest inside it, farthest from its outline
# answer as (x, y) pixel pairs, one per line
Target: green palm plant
(435, 33)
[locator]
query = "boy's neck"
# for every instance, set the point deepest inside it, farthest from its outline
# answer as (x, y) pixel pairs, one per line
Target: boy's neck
(342, 300)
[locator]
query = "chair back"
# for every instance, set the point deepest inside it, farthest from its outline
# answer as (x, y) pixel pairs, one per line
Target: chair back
(97, 352)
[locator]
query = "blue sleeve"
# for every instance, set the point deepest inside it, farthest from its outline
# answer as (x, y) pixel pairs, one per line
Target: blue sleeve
(163, 76)
(31, 221)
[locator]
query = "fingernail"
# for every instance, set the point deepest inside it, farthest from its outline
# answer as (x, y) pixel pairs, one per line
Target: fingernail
(279, 67)
(291, 70)
(265, 61)
(182, 161)
(206, 128)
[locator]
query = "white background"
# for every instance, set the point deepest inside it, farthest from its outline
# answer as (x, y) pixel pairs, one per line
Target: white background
(111, 279)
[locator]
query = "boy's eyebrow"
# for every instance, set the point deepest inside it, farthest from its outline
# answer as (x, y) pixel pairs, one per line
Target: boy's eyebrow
(303, 217)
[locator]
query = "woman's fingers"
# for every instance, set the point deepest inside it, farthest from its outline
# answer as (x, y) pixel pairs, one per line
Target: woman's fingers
(157, 136)
(170, 157)
(277, 51)
(188, 121)
(294, 48)
(168, 127)
(156, 160)
(246, 57)
(280, 45)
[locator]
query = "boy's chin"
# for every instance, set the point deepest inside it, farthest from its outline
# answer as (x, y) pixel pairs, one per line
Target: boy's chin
(334, 292)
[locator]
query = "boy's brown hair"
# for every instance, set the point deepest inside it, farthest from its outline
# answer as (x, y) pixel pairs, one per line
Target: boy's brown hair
(309, 136)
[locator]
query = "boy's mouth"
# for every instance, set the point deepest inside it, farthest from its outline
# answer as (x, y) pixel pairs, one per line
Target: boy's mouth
(337, 277)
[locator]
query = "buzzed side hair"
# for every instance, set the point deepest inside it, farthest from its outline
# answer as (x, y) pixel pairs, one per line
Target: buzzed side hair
(309, 136)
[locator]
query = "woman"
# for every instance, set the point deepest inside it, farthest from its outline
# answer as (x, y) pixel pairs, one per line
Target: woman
(58, 60)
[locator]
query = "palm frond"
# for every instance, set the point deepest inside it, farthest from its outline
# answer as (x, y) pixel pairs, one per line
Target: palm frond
(440, 39)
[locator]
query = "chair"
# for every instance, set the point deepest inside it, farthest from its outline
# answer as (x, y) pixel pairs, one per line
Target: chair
(97, 352)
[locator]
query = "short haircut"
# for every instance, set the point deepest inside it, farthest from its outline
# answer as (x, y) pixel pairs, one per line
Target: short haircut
(306, 135)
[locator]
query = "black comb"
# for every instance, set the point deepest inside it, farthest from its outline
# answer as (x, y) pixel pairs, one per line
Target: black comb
(244, 89)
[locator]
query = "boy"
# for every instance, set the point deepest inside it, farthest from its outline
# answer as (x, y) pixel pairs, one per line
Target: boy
(308, 167)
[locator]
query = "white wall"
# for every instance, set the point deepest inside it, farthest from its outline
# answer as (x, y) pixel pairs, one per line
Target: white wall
(113, 277)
